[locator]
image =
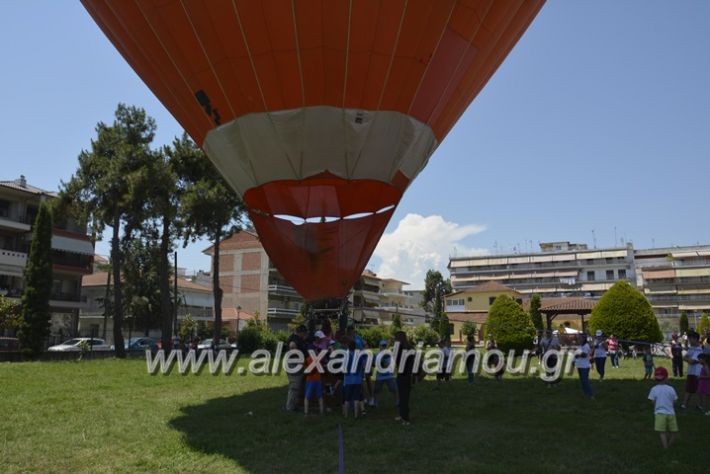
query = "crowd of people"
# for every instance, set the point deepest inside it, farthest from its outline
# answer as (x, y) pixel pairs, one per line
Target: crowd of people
(354, 393)
(352, 389)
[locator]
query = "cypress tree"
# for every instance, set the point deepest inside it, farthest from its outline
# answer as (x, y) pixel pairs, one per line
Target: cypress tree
(38, 285)
(683, 324)
(535, 313)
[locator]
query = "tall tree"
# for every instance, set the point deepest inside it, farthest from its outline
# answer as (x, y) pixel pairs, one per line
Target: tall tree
(208, 208)
(435, 289)
(164, 192)
(107, 189)
(34, 328)
(535, 313)
(683, 323)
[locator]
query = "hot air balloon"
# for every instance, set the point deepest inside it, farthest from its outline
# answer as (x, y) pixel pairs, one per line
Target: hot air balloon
(319, 113)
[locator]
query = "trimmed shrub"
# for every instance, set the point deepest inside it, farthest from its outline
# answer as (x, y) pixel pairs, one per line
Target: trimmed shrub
(510, 325)
(625, 312)
(425, 335)
(704, 324)
(249, 340)
(468, 329)
(374, 334)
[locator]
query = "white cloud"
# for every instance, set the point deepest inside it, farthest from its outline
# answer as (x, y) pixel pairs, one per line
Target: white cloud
(420, 243)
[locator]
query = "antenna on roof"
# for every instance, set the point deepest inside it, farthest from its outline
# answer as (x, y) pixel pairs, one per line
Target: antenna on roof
(594, 239)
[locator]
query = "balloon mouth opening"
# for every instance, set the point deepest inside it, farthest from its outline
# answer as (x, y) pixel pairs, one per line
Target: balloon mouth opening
(322, 199)
(298, 220)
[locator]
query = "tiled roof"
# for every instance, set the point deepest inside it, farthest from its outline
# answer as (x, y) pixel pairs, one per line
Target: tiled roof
(568, 305)
(15, 184)
(99, 279)
(474, 316)
(230, 314)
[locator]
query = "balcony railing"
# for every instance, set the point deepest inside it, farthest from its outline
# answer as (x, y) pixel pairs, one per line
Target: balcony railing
(276, 288)
(70, 297)
(284, 311)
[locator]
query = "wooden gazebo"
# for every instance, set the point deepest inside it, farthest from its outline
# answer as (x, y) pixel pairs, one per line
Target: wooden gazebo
(567, 306)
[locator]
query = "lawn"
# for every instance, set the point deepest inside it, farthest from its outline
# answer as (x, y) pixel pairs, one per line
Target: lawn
(111, 416)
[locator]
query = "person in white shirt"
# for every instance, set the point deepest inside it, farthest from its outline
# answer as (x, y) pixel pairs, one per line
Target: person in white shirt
(664, 397)
(581, 361)
(599, 354)
(694, 367)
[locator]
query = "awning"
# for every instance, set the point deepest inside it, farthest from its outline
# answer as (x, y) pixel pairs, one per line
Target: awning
(11, 270)
(66, 244)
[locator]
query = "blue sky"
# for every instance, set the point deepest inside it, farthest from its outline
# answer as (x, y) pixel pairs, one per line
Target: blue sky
(599, 119)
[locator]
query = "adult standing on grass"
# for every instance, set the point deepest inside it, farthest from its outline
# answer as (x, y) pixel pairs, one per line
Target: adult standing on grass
(664, 397)
(692, 357)
(471, 358)
(296, 341)
(612, 345)
(599, 353)
(550, 359)
(676, 355)
(581, 361)
(405, 371)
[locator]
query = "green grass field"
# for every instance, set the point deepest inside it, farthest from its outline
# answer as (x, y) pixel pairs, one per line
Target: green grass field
(111, 416)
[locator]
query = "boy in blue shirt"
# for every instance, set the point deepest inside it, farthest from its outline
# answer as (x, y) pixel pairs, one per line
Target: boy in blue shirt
(352, 381)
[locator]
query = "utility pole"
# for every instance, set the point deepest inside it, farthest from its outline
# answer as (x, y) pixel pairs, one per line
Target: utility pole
(175, 299)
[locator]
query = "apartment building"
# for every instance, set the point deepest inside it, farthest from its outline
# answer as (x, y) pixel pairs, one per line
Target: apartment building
(376, 300)
(559, 269)
(72, 253)
(194, 299)
(252, 286)
(675, 280)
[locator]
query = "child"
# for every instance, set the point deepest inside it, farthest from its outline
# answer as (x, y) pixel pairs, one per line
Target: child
(385, 373)
(704, 381)
(314, 386)
(663, 397)
(352, 381)
(694, 367)
(648, 363)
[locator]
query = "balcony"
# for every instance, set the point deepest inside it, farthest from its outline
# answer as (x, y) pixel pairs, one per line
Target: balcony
(12, 258)
(8, 223)
(68, 301)
(282, 312)
(282, 289)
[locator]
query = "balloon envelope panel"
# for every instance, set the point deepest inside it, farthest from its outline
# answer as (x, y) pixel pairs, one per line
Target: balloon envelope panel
(296, 92)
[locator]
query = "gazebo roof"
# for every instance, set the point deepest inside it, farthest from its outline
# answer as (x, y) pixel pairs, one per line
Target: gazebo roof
(569, 306)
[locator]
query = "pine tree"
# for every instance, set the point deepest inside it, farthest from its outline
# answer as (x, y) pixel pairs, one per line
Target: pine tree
(38, 285)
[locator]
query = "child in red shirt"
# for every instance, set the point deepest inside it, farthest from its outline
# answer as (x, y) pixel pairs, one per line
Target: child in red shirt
(314, 386)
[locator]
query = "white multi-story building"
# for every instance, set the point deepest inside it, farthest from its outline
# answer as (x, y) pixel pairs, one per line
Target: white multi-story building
(675, 280)
(72, 253)
(559, 269)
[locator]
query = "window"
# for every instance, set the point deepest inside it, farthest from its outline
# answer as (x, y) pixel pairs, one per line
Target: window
(590, 276)
(610, 274)
(622, 274)
(491, 300)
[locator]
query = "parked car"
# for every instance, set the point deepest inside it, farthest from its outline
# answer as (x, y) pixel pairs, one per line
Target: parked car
(140, 344)
(9, 344)
(74, 345)
(175, 340)
(207, 344)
